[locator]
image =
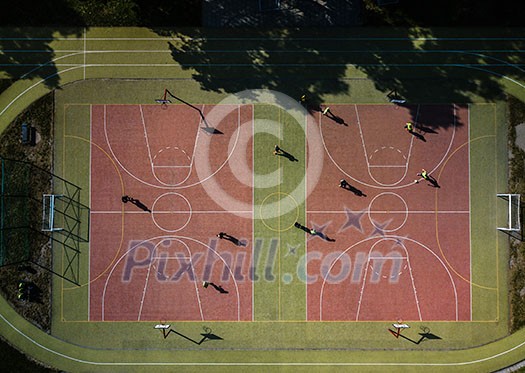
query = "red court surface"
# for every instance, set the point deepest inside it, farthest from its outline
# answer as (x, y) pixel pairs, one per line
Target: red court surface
(402, 252)
(150, 265)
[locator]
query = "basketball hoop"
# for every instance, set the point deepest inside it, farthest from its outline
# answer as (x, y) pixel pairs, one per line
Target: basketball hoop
(163, 103)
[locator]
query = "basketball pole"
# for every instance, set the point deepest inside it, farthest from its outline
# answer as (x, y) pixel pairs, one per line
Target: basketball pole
(167, 92)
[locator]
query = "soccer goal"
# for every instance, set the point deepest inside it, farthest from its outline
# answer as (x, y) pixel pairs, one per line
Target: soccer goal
(513, 214)
(48, 213)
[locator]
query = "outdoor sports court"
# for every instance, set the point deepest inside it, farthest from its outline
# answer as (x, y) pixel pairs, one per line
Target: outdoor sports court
(158, 289)
(142, 260)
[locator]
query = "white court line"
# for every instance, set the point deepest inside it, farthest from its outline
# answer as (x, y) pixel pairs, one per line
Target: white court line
(196, 284)
(90, 204)
(361, 135)
(179, 239)
(252, 211)
(412, 139)
(367, 265)
(393, 212)
(394, 238)
(154, 166)
(470, 208)
(170, 212)
(145, 287)
(386, 166)
(85, 54)
(414, 284)
(131, 174)
(147, 145)
(414, 290)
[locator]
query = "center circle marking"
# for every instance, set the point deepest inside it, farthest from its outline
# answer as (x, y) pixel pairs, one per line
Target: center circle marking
(171, 212)
(281, 201)
(388, 199)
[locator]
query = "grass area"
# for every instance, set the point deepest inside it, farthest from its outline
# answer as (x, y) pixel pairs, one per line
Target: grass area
(516, 185)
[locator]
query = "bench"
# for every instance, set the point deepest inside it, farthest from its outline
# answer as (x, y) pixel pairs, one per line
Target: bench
(28, 134)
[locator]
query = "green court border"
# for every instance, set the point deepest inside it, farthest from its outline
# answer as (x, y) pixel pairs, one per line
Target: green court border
(80, 358)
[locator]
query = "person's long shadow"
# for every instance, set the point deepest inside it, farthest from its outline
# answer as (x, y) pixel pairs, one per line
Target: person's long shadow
(233, 240)
(140, 205)
(324, 237)
(300, 226)
(318, 234)
(354, 190)
(433, 182)
(419, 136)
(336, 119)
(212, 130)
(425, 129)
(219, 288)
(285, 154)
(136, 202)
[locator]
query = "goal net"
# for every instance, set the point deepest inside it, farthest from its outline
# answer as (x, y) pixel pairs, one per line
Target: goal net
(512, 205)
(48, 213)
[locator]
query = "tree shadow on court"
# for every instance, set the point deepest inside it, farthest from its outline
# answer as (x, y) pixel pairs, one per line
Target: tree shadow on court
(424, 66)
(439, 66)
(260, 61)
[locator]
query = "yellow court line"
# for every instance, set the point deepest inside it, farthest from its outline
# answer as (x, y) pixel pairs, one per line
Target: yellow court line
(496, 232)
(122, 210)
(302, 321)
(436, 214)
(279, 216)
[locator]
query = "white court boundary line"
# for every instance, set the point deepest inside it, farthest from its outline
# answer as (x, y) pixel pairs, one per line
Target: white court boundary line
(367, 157)
(387, 237)
(151, 159)
(200, 181)
(178, 239)
(445, 155)
(364, 282)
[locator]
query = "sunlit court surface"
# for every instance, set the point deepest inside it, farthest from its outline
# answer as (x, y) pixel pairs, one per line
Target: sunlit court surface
(387, 242)
(145, 258)
(313, 210)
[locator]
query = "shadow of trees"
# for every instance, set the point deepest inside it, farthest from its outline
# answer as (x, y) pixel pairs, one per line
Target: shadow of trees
(449, 13)
(29, 27)
(26, 51)
(429, 66)
(275, 60)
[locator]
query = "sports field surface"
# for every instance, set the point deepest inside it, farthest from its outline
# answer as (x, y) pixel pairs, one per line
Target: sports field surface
(331, 235)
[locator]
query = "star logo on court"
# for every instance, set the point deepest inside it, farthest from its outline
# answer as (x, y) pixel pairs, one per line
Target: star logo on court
(319, 229)
(292, 250)
(399, 241)
(379, 229)
(353, 219)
